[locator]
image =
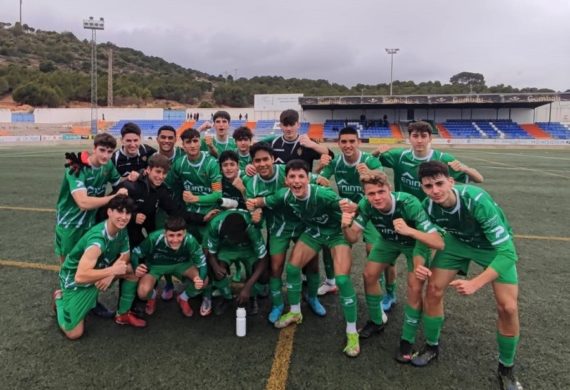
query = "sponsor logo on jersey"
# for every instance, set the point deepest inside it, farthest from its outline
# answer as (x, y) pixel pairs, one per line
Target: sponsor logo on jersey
(196, 189)
(410, 181)
(323, 219)
(346, 187)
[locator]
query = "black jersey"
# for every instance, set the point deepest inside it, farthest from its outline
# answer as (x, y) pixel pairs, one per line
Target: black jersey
(285, 151)
(126, 164)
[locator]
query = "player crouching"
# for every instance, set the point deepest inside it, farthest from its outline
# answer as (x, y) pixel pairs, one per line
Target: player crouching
(171, 251)
(101, 256)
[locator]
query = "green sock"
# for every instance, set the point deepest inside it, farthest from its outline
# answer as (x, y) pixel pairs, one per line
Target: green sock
(313, 282)
(294, 284)
(329, 264)
(224, 286)
(432, 329)
(411, 322)
(275, 285)
(374, 310)
(128, 291)
(60, 312)
(391, 288)
(191, 290)
(347, 297)
(507, 349)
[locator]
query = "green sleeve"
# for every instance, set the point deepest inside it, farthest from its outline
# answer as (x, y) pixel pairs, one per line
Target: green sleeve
(459, 177)
(277, 199)
(330, 198)
(248, 184)
(374, 164)
(257, 242)
(363, 215)
(75, 183)
(114, 176)
(389, 158)
(213, 241)
(172, 179)
(216, 181)
(141, 252)
(198, 257)
(488, 216)
(328, 171)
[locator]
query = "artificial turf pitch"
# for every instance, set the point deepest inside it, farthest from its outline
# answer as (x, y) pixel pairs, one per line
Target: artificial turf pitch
(531, 185)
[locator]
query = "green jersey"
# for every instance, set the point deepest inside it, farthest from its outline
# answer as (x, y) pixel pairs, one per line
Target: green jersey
(178, 152)
(156, 251)
(216, 243)
(230, 144)
(281, 221)
(346, 175)
(319, 211)
(94, 181)
(244, 161)
(111, 248)
(405, 165)
(475, 220)
(202, 177)
(404, 206)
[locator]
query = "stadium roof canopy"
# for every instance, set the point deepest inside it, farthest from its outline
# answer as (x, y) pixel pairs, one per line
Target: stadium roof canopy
(501, 100)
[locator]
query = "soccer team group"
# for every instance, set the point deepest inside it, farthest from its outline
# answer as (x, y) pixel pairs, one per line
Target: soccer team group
(220, 207)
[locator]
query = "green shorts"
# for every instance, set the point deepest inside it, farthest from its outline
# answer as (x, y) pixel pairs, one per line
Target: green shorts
(386, 252)
(370, 234)
(77, 302)
(177, 270)
(320, 241)
(457, 256)
(66, 238)
(245, 256)
(279, 245)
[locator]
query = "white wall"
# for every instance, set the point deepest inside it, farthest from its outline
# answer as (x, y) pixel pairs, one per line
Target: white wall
(70, 115)
(5, 116)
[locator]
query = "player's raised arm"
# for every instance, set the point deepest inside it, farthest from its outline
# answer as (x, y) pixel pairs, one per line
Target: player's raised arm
(86, 272)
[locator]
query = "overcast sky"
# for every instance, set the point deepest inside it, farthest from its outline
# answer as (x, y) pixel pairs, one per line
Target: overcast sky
(517, 42)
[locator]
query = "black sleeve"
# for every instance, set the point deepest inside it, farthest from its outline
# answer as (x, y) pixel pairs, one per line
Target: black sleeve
(167, 203)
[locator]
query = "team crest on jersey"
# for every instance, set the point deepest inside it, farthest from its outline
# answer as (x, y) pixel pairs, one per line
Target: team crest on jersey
(300, 151)
(144, 158)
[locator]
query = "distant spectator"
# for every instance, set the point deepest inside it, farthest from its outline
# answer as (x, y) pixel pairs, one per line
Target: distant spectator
(246, 116)
(240, 117)
(385, 122)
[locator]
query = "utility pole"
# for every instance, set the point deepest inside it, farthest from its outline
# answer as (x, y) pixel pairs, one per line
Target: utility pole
(21, 13)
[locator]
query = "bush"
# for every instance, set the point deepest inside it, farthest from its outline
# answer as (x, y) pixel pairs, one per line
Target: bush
(37, 95)
(205, 104)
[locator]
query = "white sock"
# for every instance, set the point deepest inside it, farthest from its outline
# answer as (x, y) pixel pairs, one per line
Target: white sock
(184, 296)
(153, 294)
(351, 327)
(296, 308)
(330, 282)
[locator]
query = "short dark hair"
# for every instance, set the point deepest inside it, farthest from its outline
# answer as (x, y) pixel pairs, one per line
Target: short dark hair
(165, 128)
(189, 134)
(121, 202)
(433, 169)
(256, 147)
(420, 127)
(106, 140)
(130, 128)
(296, 165)
(289, 117)
(243, 132)
(157, 160)
(175, 223)
(221, 114)
(228, 155)
(234, 228)
(348, 130)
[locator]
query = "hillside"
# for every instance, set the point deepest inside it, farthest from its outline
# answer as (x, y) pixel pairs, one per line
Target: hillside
(47, 68)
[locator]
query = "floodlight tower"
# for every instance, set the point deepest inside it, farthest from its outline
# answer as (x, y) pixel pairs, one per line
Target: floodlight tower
(391, 52)
(94, 25)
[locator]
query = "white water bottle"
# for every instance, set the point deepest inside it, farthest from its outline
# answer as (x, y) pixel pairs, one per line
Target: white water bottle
(240, 322)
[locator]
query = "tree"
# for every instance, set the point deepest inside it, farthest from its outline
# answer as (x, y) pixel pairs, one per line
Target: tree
(475, 81)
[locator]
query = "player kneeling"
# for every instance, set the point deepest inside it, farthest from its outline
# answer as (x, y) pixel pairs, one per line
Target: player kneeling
(101, 256)
(171, 251)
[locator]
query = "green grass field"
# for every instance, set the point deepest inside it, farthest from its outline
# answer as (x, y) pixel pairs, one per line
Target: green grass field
(532, 186)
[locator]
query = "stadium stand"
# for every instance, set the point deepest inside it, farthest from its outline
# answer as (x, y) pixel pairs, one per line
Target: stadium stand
(555, 129)
(149, 127)
(502, 128)
(22, 117)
